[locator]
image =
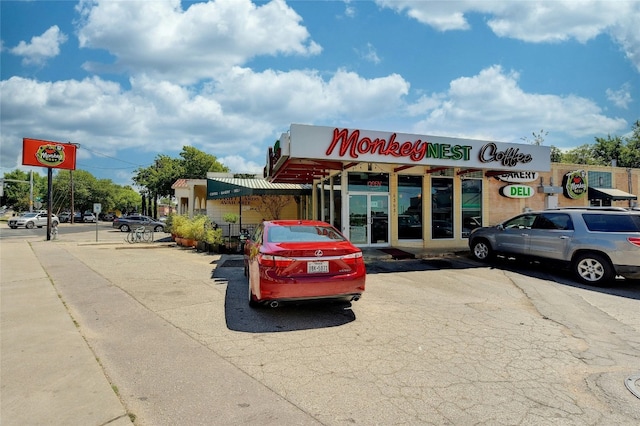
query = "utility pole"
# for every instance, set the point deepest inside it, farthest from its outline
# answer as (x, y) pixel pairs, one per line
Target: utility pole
(72, 212)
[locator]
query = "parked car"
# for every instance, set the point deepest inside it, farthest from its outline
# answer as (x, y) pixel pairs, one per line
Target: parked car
(64, 217)
(127, 223)
(89, 217)
(597, 244)
(107, 217)
(292, 260)
(78, 217)
(33, 219)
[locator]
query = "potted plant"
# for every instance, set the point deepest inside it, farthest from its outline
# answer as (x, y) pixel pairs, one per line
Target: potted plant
(180, 227)
(231, 218)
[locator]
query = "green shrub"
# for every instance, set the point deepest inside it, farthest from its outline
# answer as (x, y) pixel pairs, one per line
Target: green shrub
(180, 225)
(230, 217)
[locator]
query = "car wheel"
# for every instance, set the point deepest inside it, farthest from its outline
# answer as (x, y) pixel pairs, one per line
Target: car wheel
(158, 228)
(124, 228)
(594, 269)
(13, 227)
(481, 250)
(29, 225)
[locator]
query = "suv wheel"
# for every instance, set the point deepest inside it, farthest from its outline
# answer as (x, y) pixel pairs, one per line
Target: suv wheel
(594, 269)
(481, 250)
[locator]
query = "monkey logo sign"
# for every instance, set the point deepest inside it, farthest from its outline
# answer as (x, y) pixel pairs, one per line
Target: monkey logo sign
(48, 154)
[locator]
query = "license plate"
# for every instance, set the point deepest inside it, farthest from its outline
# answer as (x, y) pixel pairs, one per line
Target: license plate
(316, 267)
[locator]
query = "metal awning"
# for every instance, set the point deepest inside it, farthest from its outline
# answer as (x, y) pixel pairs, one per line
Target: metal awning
(301, 170)
(610, 194)
(219, 188)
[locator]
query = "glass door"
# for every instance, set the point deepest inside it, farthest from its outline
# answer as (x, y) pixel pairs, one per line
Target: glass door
(369, 219)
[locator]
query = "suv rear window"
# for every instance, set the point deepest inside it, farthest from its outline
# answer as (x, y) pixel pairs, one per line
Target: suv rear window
(612, 222)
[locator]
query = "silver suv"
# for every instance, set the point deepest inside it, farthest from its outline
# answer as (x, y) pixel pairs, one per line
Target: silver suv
(596, 243)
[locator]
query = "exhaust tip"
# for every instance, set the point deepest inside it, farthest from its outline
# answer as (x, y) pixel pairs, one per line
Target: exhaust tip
(274, 304)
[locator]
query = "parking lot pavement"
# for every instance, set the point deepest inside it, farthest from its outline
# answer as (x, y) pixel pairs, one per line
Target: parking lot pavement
(442, 341)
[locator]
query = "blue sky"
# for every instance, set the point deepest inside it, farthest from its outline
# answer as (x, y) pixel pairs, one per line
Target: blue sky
(129, 80)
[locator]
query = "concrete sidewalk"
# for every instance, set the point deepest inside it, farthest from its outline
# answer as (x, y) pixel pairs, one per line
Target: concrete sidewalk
(49, 375)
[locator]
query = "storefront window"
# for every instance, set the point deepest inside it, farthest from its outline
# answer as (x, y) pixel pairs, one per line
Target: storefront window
(471, 205)
(410, 207)
(441, 207)
(368, 182)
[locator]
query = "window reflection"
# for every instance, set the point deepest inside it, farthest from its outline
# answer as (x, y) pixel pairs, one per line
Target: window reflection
(471, 205)
(410, 207)
(441, 208)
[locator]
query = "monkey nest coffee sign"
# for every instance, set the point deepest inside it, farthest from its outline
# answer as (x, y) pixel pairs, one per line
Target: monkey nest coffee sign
(574, 184)
(55, 155)
(358, 145)
(516, 191)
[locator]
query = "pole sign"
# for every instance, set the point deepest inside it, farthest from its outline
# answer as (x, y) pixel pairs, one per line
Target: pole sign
(55, 155)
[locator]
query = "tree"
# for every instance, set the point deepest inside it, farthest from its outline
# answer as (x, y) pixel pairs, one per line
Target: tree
(17, 189)
(582, 154)
(556, 154)
(630, 152)
(197, 163)
(272, 205)
(157, 179)
(538, 138)
(607, 150)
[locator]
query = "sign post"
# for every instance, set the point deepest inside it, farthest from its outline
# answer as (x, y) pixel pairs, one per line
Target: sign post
(97, 209)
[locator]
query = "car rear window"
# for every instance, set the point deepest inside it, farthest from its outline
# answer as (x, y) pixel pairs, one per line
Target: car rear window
(296, 233)
(612, 222)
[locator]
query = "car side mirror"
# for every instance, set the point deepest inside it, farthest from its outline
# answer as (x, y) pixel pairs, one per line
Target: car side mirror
(500, 227)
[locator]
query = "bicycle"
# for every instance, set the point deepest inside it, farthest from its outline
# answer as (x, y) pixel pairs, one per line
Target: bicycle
(139, 235)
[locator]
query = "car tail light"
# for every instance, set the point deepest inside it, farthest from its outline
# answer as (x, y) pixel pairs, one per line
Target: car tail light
(634, 240)
(353, 259)
(274, 261)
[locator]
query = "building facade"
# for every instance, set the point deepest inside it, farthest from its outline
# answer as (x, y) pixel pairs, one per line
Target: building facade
(390, 189)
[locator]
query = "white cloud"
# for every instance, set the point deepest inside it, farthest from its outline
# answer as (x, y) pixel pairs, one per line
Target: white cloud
(41, 48)
(369, 54)
(622, 97)
(162, 40)
(238, 164)
(535, 21)
(233, 115)
(491, 105)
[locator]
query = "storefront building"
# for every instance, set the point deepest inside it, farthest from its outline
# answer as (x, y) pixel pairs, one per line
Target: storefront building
(372, 185)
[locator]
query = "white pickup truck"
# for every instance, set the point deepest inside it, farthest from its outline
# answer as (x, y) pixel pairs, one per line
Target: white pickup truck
(29, 220)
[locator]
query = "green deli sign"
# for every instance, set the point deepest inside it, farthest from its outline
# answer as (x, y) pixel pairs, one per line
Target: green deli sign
(517, 191)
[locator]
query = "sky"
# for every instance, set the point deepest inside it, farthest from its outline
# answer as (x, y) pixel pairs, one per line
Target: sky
(134, 79)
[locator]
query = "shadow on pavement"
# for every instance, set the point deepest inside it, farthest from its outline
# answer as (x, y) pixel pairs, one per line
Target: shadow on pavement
(562, 275)
(287, 317)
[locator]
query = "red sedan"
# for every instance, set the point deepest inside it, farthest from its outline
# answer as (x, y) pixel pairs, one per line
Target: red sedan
(291, 260)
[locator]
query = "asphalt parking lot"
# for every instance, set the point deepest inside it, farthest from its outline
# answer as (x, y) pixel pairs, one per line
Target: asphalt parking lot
(439, 341)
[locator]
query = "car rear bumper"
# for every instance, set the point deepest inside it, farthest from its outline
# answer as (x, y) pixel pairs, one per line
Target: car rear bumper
(292, 289)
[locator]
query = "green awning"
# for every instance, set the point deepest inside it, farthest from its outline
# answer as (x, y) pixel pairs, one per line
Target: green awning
(219, 188)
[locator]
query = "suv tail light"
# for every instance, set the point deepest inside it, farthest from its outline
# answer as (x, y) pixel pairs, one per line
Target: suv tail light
(634, 240)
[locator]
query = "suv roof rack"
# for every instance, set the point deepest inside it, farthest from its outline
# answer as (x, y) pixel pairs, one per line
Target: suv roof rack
(605, 208)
